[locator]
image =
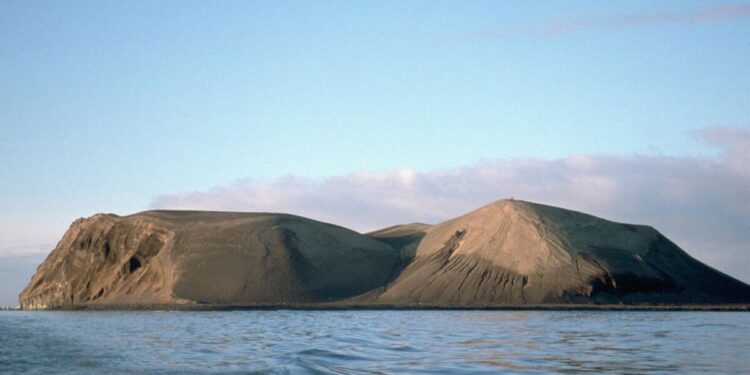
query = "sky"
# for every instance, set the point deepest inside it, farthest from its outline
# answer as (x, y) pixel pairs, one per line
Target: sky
(367, 114)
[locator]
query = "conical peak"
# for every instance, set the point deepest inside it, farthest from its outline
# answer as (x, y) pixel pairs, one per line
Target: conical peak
(548, 215)
(499, 208)
(506, 233)
(528, 237)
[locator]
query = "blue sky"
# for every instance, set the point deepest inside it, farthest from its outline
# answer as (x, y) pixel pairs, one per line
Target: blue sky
(107, 106)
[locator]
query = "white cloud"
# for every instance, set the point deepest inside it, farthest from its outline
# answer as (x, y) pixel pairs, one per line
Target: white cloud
(701, 202)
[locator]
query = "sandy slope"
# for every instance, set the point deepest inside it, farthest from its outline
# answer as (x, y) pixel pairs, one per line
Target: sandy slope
(513, 252)
(174, 257)
(505, 253)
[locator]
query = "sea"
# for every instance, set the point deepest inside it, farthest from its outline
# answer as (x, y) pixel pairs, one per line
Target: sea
(374, 342)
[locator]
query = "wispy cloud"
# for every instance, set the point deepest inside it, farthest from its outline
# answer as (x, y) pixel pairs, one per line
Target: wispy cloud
(561, 26)
(699, 201)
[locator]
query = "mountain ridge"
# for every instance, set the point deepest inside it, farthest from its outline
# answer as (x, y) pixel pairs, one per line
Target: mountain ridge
(508, 252)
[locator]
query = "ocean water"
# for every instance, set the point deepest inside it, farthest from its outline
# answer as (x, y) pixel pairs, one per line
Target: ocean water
(370, 341)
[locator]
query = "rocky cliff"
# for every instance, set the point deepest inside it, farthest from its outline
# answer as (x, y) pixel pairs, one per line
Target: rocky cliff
(505, 253)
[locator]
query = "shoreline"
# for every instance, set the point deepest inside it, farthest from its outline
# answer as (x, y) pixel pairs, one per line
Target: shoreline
(353, 307)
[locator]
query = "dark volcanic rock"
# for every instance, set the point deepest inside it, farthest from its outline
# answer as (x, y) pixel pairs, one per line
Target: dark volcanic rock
(505, 253)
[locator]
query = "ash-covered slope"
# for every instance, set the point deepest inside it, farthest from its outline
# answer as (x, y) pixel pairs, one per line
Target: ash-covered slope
(505, 253)
(514, 252)
(184, 257)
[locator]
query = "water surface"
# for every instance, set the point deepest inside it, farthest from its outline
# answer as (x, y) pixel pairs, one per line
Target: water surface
(371, 341)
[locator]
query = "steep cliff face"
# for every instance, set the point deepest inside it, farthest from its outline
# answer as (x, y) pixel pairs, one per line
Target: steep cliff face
(104, 259)
(505, 253)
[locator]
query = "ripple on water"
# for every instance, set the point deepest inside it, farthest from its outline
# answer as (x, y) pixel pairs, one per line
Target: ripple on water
(287, 341)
